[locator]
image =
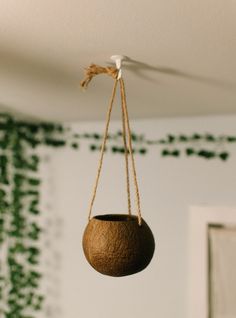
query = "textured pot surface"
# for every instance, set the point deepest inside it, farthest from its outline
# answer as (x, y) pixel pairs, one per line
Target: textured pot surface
(115, 245)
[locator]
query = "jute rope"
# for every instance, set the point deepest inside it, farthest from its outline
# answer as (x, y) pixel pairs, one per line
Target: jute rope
(108, 117)
(127, 151)
(92, 71)
(123, 95)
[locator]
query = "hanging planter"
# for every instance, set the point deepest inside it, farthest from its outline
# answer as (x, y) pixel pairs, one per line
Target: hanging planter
(117, 244)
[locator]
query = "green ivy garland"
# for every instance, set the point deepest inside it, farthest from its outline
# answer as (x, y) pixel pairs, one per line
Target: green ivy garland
(20, 231)
(19, 211)
(205, 146)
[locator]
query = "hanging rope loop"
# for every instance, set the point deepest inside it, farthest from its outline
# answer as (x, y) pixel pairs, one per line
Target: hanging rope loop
(92, 71)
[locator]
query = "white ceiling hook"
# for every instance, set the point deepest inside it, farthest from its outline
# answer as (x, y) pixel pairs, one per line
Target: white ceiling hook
(118, 60)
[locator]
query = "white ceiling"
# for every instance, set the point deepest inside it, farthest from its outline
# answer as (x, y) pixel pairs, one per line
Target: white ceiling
(182, 56)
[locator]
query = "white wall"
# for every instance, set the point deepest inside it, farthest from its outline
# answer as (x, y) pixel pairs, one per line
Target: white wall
(168, 187)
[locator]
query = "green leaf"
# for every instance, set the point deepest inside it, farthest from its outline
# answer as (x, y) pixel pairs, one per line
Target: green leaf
(183, 138)
(74, 145)
(231, 139)
(224, 156)
(93, 147)
(34, 181)
(165, 152)
(171, 139)
(175, 153)
(143, 151)
(190, 151)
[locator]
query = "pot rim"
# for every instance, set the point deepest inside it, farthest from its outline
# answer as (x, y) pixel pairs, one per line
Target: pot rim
(115, 218)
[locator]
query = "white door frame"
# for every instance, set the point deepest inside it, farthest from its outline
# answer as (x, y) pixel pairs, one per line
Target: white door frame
(200, 218)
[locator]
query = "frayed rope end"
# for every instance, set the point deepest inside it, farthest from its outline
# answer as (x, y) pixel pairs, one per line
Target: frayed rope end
(94, 70)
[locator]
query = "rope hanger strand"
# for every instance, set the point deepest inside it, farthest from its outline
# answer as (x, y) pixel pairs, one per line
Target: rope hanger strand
(92, 71)
(103, 148)
(127, 151)
(122, 88)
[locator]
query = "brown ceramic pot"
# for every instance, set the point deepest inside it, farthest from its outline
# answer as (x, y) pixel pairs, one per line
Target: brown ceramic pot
(116, 245)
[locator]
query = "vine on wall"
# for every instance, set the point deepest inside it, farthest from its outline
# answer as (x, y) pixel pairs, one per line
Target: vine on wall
(20, 231)
(20, 182)
(206, 146)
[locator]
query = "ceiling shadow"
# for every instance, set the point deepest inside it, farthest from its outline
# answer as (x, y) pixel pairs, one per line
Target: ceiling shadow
(18, 114)
(140, 69)
(35, 67)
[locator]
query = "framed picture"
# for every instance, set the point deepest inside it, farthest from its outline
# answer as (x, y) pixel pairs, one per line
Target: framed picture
(212, 262)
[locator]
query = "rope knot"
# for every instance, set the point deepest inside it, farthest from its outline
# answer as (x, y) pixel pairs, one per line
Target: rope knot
(94, 70)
